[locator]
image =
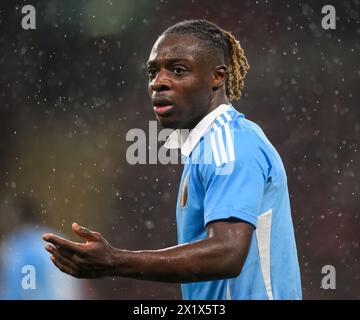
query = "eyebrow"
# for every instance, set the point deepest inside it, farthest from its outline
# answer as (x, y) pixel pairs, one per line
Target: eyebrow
(167, 61)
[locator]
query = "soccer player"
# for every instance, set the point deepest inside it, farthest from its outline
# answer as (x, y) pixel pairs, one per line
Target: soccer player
(235, 231)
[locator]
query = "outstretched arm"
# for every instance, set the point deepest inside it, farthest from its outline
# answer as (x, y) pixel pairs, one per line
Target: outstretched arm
(220, 255)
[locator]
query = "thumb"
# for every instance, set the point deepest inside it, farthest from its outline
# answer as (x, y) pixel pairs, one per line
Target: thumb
(84, 233)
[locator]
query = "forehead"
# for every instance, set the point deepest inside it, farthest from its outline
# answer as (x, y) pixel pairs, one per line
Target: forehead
(177, 46)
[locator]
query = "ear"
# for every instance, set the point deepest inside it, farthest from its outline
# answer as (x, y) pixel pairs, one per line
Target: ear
(219, 76)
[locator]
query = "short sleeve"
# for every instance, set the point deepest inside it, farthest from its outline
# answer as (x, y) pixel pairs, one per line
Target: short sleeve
(235, 188)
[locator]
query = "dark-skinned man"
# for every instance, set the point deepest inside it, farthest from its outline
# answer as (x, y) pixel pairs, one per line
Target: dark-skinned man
(235, 231)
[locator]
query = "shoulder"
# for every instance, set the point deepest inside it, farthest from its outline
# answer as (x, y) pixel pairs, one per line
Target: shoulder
(232, 138)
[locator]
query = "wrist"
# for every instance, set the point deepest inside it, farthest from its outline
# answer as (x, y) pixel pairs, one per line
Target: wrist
(120, 262)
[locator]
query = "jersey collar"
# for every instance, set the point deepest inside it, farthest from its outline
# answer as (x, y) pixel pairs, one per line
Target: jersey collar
(187, 141)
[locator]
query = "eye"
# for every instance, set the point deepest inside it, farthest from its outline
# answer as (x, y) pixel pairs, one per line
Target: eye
(151, 72)
(179, 70)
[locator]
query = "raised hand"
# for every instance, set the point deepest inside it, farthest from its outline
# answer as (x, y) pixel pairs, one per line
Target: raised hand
(91, 259)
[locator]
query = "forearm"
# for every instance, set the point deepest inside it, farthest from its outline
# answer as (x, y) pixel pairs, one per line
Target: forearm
(199, 261)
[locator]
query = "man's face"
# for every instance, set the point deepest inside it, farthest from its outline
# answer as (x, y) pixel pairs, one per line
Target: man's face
(180, 81)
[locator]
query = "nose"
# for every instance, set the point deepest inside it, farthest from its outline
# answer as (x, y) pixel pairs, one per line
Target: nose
(161, 82)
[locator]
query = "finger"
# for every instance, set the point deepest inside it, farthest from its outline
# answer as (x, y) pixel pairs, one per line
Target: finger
(74, 264)
(66, 261)
(50, 248)
(65, 253)
(62, 266)
(79, 260)
(61, 242)
(85, 233)
(63, 260)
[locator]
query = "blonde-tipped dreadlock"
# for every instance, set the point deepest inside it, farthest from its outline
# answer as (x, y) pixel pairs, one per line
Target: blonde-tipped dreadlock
(223, 42)
(237, 68)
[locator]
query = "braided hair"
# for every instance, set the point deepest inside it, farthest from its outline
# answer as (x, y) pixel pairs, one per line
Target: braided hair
(223, 43)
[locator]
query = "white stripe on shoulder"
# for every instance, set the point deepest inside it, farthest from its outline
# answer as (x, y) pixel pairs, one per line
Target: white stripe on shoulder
(229, 142)
(220, 119)
(227, 116)
(214, 149)
(221, 145)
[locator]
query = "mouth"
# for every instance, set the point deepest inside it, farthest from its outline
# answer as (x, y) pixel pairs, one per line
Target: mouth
(162, 106)
(163, 110)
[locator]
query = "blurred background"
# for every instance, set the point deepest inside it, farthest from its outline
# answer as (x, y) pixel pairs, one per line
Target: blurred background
(72, 88)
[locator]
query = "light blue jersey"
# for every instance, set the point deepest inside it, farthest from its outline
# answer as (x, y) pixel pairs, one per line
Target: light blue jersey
(231, 170)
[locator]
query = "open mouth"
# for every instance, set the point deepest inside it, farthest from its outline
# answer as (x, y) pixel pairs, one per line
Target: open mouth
(162, 106)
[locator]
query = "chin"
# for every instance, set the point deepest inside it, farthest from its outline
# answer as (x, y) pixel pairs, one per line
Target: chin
(169, 123)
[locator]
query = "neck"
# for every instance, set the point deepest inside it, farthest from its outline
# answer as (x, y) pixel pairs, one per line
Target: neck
(216, 101)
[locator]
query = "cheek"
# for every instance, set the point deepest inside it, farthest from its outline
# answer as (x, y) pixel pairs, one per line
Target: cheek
(198, 96)
(195, 89)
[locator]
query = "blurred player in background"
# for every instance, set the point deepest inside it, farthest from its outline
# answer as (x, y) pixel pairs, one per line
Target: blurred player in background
(25, 271)
(235, 231)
